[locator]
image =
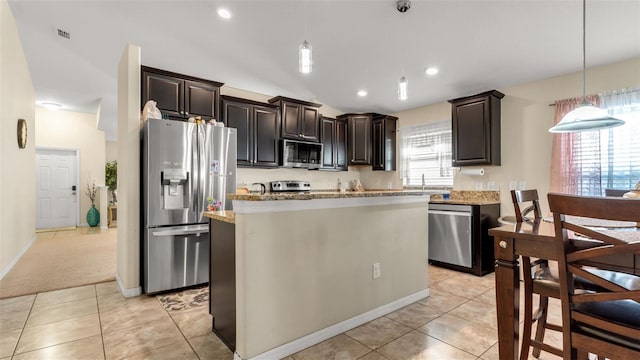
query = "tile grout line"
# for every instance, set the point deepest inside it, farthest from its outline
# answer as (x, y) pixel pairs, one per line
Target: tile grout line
(180, 330)
(104, 350)
(15, 347)
(449, 313)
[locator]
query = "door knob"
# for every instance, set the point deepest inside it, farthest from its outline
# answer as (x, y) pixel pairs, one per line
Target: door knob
(73, 188)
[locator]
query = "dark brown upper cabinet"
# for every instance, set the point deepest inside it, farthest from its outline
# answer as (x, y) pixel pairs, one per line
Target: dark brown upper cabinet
(359, 144)
(333, 136)
(384, 143)
(300, 119)
(180, 97)
(257, 126)
(475, 125)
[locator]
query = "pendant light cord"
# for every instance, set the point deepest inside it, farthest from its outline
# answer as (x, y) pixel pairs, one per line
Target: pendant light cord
(584, 51)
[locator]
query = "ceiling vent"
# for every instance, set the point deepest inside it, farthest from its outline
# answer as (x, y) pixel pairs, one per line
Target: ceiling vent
(64, 34)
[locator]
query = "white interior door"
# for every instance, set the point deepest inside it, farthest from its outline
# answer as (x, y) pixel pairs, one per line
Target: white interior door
(56, 194)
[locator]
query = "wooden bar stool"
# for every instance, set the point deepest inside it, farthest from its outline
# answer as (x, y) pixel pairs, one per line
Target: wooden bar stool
(538, 279)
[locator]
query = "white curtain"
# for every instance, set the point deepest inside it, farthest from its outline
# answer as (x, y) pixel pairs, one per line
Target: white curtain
(621, 101)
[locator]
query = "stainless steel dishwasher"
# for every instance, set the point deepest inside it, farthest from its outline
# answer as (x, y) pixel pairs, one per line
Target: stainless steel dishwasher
(450, 234)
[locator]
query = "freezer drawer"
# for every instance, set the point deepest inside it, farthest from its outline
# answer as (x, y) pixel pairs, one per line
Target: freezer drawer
(450, 237)
(175, 257)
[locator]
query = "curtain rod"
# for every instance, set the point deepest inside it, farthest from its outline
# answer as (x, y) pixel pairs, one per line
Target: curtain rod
(613, 92)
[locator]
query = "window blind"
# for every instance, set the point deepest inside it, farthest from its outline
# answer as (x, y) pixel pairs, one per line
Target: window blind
(426, 151)
(610, 158)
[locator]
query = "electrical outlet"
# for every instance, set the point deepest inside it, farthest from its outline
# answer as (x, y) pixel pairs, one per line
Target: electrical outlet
(522, 185)
(513, 184)
(376, 270)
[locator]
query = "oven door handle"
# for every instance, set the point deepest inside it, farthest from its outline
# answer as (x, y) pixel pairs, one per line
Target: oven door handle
(454, 213)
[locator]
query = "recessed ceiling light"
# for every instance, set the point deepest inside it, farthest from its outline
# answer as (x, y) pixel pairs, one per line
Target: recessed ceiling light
(362, 93)
(431, 71)
(51, 105)
(224, 13)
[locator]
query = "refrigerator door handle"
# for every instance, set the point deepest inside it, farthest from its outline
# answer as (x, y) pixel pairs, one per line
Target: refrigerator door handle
(195, 170)
(202, 168)
(193, 231)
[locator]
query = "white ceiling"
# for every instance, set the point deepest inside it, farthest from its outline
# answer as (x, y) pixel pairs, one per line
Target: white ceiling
(367, 44)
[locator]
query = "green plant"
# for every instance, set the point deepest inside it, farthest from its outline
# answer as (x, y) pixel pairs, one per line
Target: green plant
(111, 175)
(111, 178)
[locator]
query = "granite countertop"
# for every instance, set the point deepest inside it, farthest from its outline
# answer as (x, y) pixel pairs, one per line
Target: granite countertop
(324, 195)
(227, 216)
(468, 197)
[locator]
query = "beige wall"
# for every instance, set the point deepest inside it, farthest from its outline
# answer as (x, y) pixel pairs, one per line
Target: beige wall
(75, 131)
(308, 277)
(128, 266)
(17, 166)
(111, 151)
(526, 117)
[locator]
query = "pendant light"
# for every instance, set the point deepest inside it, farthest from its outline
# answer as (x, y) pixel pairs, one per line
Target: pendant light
(585, 117)
(304, 58)
(403, 85)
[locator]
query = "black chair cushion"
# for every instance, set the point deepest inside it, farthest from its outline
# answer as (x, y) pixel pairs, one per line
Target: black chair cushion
(548, 277)
(623, 312)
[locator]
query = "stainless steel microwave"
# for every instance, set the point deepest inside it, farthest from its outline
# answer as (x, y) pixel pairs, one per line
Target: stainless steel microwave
(300, 154)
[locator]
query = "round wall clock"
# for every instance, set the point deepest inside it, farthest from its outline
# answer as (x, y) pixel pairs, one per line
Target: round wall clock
(22, 133)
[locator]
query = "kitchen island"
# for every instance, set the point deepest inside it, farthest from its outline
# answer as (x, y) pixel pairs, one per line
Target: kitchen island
(292, 270)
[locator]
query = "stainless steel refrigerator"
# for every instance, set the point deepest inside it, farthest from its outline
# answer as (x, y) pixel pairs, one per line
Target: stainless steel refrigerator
(185, 167)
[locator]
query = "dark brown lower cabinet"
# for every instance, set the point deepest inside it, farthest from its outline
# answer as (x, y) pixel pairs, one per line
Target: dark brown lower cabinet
(222, 280)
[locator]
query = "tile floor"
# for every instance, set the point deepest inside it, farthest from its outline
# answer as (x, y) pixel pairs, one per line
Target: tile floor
(458, 321)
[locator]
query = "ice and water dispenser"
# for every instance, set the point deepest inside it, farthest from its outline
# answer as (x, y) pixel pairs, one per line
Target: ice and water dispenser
(175, 189)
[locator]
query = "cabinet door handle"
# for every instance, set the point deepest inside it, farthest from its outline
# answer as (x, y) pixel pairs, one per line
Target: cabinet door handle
(186, 113)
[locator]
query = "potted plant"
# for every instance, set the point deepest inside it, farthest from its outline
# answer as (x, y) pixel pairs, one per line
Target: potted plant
(111, 178)
(93, 216)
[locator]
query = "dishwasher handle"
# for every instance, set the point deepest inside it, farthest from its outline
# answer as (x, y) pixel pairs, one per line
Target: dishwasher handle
(454, 213)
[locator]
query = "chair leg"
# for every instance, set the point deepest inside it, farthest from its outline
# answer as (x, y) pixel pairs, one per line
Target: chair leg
(542, 323)
(527, 324)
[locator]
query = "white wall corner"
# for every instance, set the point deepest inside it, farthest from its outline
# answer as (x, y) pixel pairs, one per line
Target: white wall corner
(13, 262)
(133, 292)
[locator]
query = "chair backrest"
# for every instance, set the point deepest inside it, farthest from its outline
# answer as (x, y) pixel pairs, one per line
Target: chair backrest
(571, 216)
(614, 192)
(526, 196)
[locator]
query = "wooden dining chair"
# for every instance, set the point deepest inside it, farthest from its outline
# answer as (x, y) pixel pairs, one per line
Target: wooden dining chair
(526, 197)
(604, 322)
(537, 279)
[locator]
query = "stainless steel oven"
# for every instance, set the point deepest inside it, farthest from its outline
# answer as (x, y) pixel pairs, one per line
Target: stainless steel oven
(450, 234)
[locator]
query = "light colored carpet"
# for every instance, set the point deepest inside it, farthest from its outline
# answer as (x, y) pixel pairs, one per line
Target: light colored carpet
(63, 259)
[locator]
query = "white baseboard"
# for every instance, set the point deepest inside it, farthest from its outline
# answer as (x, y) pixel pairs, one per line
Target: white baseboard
(13, 262)
(319, 336)
(128, 292)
